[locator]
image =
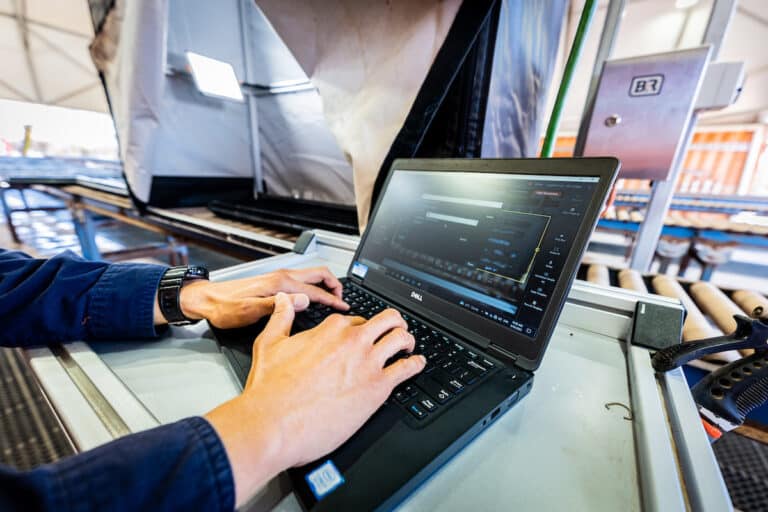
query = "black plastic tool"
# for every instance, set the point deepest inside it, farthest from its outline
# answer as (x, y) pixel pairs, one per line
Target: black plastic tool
(727, 395)
(749, 333)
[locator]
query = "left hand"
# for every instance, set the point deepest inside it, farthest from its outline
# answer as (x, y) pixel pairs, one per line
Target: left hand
(241, 302)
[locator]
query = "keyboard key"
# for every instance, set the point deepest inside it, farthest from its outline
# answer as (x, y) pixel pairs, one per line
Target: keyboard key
(450, 382)
(467, 377)
(417, 411)
(428, 404)
(477, 367)
(457, 386)
(401, 397)
(433, 389)
(487, 363)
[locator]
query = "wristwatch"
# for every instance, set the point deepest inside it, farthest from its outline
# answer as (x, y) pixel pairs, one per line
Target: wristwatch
(169, 292)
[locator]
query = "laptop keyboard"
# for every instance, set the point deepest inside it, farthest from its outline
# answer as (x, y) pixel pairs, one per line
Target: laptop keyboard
(452, 367)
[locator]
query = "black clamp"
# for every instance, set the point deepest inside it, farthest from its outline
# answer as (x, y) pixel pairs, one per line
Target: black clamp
(727, 395)
(749, 333)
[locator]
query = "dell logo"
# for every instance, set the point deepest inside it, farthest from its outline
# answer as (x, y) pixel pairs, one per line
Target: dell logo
(417, 296)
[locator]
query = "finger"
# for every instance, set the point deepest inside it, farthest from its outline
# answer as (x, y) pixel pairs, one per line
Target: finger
(300, 301)
(279, 325)
(345, 320)
(323, 275)
(404, 369)
(317, 294)
(252, 309)
(392, 343)
(382, 323)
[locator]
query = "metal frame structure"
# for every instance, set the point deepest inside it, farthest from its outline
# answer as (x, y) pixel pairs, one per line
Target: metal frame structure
(662, 191)
(91, 201)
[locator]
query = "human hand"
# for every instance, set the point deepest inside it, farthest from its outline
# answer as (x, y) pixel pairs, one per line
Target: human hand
(240, 302)
(307, 394)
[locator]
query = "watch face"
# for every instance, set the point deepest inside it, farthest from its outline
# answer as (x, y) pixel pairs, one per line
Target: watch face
(196, 272)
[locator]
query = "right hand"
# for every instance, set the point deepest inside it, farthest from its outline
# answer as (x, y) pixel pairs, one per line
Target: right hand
(307, 394)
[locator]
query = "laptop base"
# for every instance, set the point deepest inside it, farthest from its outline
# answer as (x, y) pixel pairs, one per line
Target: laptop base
(391, 455)
(386, 460)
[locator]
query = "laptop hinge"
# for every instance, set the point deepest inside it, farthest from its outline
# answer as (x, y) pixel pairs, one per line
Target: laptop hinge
(499, 353)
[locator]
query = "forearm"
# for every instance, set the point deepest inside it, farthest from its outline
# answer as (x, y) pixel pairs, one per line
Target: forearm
(67, 298)
(181, 466)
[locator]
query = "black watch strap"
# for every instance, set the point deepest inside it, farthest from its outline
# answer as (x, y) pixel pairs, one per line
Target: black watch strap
(169, 291)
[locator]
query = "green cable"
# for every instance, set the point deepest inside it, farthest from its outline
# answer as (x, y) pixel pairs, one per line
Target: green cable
(570, 66)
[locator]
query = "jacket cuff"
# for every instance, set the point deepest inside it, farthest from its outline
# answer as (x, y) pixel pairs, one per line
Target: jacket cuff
(221, 470)
(178, 466)
(122, 302)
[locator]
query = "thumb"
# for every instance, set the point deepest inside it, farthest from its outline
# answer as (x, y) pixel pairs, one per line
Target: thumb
(300, 301)
(279, 325)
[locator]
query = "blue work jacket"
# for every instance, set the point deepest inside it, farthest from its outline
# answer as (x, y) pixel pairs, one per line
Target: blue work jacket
(180, 466)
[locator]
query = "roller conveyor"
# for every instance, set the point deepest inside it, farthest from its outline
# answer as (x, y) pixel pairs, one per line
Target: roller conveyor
(699, 203)
(713, 226)
(710, 309)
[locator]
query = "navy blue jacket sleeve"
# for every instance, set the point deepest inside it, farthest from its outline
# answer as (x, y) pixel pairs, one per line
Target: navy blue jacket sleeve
(180, 466)
(67, 298)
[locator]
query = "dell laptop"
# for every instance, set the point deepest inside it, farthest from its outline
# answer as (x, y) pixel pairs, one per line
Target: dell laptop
(478, 256)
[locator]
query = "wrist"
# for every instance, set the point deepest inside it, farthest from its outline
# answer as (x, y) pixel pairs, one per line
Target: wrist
(254, 450)
(194, 301)
(168, 305)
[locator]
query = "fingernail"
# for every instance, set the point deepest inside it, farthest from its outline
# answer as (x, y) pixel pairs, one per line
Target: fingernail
(300, 300)
(423, 359)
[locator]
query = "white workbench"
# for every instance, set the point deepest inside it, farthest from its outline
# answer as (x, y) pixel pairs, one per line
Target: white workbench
(560, 448)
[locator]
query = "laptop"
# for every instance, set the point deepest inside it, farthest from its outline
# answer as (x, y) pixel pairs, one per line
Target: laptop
(478, 256)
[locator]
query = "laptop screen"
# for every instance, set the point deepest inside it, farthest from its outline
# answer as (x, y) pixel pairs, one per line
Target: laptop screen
(493, 244)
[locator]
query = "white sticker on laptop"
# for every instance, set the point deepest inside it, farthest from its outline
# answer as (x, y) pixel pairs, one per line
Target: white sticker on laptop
(324, 479)
(359, 269)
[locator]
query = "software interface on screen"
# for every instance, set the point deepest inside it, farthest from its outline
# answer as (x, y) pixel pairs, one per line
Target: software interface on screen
(493, 244)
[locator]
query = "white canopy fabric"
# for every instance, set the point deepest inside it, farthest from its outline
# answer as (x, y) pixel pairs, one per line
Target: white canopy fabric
(367, 84)
(44, 54)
